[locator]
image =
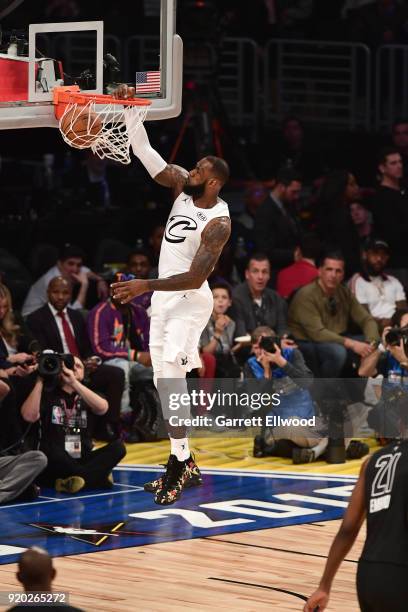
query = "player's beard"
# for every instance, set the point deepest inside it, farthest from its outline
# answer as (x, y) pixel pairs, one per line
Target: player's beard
(195, 191)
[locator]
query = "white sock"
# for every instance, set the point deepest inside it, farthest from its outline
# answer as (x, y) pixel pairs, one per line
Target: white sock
(180, 448)
(320, 447)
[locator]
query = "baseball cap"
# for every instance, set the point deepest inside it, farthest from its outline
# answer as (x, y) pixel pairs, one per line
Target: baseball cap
(376, 244)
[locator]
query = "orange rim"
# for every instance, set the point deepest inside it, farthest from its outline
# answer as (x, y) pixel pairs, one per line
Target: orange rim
(71, 94)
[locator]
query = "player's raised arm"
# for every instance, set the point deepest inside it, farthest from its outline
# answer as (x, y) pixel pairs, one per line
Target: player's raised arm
(168, 175)
(213, 239)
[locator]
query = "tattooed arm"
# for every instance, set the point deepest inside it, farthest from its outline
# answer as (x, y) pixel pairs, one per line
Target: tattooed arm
(213, 238)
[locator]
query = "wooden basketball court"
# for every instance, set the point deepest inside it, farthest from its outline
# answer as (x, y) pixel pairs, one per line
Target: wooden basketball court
(273, 569)
(246, 570)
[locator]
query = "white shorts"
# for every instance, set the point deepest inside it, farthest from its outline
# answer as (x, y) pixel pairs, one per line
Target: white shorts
(177, 322)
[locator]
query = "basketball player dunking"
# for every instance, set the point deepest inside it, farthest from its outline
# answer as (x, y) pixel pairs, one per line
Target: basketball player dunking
(197, 229)
(381, 496)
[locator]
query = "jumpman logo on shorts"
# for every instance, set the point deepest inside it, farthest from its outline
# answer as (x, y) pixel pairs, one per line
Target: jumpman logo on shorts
(184, 361)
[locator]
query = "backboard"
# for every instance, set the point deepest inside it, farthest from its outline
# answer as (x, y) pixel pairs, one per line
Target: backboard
(94, 48)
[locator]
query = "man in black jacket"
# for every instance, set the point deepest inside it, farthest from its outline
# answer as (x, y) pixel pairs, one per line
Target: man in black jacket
(276, 228)
(390, 208)
(63, 329)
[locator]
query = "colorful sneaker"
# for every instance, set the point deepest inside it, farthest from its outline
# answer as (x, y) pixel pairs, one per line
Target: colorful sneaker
(178, 476)
(73, 484)
(195, 479)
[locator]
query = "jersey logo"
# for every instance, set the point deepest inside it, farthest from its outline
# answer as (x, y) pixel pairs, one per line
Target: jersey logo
(201, 216)
(381, 487)
(177, 226)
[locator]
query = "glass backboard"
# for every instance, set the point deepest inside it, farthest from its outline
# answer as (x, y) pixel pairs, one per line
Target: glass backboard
(94, 45)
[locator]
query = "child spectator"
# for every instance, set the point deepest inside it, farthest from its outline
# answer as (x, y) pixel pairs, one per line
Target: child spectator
(218, 336)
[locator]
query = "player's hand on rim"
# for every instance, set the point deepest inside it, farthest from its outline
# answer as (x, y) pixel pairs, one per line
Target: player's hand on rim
(125, 291)
(123, 92)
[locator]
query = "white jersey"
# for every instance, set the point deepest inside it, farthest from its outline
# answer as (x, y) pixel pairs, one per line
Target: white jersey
(182, 237)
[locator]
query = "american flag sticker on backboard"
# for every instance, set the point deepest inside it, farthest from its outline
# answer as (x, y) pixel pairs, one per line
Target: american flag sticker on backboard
(148, 82)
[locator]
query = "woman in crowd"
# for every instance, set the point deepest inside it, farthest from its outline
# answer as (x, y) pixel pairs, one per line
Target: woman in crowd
(16, 343)
(333, 219)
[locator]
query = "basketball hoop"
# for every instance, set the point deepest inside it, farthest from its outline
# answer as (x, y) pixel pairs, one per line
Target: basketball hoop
(98, 122)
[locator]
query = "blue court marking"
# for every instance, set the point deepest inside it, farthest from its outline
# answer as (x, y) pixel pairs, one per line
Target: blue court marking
(230, 501)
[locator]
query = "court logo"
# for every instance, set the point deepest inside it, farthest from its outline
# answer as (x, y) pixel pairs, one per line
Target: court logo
(177, 228)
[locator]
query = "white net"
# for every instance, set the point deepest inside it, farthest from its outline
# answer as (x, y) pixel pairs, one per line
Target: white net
(106, 129)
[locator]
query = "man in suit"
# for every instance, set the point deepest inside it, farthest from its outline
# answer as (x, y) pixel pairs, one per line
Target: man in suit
(63, 329)
(276, 227)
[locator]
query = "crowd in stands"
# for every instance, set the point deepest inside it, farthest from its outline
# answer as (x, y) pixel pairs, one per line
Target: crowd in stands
(297, 298)
(313, 278)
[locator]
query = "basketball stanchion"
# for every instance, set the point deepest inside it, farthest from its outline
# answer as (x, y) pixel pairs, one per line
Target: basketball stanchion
(98, 122)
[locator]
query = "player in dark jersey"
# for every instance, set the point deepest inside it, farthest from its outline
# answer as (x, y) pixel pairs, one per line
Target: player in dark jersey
(380, 496)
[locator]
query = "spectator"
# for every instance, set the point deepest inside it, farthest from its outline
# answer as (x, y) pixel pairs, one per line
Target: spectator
(17, 360)
(218, 336)
(18, 472)
(276, 226)
(16, 343)
(380, 293)
(362, 219)
(254, 303)
(320, 316)
(334, 225)
(389, 364)
(37, 573)
(390, 207)
(63, 412)
(295, 151)
(70, 267)
(244, 225)
(226, 268)
(294, 16)
(62, 9)
(155, 240)
(17, 475)
(399, 136)
(119, 335)
(139, 264)
(285, 367)
(62, 329)
(379, 23)
(303, 271)
(98, 191)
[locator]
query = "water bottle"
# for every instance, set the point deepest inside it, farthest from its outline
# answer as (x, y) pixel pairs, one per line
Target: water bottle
(12, 48)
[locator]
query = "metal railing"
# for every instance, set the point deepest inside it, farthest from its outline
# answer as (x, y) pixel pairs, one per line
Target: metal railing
(391, 85)
(325, 83)
(238, 81)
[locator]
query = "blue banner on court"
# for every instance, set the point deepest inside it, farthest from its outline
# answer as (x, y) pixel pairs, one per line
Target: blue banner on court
(229, 501)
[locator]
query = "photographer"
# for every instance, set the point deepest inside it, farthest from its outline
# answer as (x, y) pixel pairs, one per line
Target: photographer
(286, 371)
(389, 364)
(62, 406)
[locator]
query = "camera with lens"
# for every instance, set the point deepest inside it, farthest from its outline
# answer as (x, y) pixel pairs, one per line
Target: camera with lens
(267, 343)
(394, 336)
(50, 364)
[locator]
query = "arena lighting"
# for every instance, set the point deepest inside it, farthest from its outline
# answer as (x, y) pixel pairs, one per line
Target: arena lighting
(8, 6)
